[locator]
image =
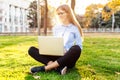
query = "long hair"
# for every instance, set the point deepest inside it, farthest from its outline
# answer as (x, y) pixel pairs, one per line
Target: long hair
(71, 16)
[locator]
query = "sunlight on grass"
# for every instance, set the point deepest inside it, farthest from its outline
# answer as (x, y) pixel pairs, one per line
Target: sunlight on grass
(100, 60)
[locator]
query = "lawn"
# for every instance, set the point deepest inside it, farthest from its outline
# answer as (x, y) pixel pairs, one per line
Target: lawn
(100, 60)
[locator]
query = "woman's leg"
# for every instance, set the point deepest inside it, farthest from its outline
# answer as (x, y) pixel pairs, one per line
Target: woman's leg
(53, 65)
(69, 59)
(34, 53)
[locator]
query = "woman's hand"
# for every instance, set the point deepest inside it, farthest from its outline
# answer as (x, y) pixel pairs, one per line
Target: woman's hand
(65, 51)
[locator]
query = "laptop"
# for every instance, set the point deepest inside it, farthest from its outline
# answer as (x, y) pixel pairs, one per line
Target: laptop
(51, 45)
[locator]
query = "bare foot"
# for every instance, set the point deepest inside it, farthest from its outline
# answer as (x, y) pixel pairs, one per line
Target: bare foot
(50, 62)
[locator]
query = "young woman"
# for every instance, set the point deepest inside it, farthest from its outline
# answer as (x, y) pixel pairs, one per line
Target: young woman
(72, 34)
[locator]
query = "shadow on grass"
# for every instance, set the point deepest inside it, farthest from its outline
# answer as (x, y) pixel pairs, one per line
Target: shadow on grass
(72, 74)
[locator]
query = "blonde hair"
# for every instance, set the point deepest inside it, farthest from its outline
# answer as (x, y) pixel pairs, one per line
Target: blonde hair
(71, 16)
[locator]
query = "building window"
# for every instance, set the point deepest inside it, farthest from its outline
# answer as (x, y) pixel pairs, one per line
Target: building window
(25, 16)
(10, 13)
(11, 28)
(0, 18)
(21, 17)
(6, 29)
(1, 11)
(0, 27)
(16, 29)
(21, 29)
(15, 16)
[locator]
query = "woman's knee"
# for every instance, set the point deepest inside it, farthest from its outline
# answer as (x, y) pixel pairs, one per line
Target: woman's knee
(32, 50)
(76, 48)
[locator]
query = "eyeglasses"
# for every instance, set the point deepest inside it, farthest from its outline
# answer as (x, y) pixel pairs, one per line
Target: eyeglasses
(61, 13)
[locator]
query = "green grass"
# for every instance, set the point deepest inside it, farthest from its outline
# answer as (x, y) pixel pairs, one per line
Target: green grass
(100, 60)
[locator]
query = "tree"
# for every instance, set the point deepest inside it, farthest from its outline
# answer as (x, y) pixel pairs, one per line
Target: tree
(111, 8)
(93, 15)
(73, 4)
(117, 19)
(32, 15)
(114, 5)
(109, 13)
(109, 21)
(106, 14)
(45, 17)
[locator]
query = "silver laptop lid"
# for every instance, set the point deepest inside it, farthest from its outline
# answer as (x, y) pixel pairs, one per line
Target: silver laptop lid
(50, 45)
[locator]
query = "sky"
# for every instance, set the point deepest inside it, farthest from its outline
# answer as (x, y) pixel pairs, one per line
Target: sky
(80, 4)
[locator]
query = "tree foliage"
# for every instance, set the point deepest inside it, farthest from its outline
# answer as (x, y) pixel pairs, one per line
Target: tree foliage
(96, 19)
(93, 15)
(32, 15)
(114, 5)
(112, 8)
(45, 19)
(117, 20)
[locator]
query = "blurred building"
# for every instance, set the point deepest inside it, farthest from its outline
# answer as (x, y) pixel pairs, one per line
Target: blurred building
(13, 15)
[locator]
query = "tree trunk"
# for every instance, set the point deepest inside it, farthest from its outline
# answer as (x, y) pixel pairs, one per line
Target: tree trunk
(45, 18)
(38, 17)
(73, 4)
